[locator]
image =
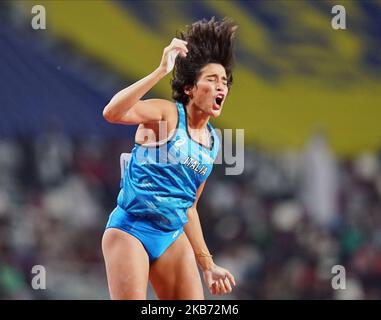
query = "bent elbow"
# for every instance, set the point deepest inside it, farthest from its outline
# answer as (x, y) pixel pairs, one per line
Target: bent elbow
(107, 114)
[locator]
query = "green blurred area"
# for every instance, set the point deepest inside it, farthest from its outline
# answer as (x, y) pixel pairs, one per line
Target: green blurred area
(295, 74)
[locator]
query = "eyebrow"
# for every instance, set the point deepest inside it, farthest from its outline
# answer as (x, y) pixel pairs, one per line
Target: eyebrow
(215, 75)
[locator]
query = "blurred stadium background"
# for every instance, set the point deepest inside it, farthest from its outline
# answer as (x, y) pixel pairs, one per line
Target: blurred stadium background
(307, 96)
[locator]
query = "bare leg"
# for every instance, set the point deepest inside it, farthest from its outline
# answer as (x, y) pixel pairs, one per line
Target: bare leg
(127, 265)
(175, 274)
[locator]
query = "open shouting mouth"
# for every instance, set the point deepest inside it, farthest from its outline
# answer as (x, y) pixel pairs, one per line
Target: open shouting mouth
(218, 101)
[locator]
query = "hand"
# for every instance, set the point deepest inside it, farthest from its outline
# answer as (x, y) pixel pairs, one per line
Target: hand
(218, 280)
(170, 53)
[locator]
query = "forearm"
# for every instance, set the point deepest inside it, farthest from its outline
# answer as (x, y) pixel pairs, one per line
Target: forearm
(194, 233)
(126, 98)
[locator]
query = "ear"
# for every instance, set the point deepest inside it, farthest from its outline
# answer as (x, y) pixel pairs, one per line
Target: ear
(188, 91)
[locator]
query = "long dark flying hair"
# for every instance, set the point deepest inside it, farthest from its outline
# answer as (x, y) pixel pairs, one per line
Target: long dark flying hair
(208, 42)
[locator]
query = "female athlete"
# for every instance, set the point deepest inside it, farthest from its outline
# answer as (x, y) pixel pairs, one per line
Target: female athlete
(154, 233)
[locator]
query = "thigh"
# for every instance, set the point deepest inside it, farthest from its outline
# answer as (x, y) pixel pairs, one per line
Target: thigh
(127, 265)
(174, 275)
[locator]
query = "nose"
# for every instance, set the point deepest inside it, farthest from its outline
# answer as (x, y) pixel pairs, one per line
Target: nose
(219, 87)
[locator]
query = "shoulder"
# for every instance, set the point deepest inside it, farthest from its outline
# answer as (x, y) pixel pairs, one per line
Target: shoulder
(169, 111)
(168, 108)
(215, 136)
(215, 132)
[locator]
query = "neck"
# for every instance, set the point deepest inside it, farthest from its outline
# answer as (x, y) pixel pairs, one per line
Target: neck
(197, 119)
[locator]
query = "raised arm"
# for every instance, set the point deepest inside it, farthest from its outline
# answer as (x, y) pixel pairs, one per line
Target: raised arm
(125, 107)
(218, 280)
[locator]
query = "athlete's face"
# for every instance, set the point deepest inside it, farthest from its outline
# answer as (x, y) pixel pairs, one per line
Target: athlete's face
(211, 89)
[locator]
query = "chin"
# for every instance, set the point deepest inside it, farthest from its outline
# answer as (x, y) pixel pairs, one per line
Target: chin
(216, 113)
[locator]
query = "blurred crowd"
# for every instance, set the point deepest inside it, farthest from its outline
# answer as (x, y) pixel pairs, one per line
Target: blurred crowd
(280, 227)
(55, 195)
(292, 217)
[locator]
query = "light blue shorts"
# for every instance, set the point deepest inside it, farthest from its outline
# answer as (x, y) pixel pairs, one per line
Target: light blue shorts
(154, 240)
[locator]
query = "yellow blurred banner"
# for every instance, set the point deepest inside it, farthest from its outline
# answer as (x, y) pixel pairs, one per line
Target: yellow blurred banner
(294, 74)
